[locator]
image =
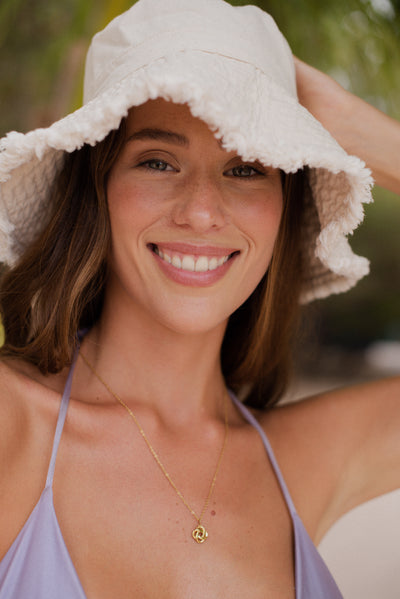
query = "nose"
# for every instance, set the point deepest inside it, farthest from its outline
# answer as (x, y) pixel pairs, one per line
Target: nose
(201, 206)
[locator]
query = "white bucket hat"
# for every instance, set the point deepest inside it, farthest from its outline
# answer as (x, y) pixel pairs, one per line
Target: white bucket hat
(235, 70)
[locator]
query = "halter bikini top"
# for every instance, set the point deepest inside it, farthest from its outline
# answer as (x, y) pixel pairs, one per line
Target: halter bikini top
(38, 564)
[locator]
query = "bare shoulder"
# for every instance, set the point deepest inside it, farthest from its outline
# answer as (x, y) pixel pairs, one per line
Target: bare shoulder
(27, 405)
(348, 412)
(21, 382)
(14, 387)
(338, 449)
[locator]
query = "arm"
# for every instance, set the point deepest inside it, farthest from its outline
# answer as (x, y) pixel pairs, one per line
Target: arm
(338, 449)
(354, 431)
(360, 128)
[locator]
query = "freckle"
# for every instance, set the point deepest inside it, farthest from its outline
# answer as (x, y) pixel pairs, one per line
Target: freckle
(213, 512)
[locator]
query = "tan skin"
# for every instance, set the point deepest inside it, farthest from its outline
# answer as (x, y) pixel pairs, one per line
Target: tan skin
(157, 345)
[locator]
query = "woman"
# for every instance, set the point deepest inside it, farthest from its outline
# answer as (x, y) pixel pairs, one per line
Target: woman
(178, 241)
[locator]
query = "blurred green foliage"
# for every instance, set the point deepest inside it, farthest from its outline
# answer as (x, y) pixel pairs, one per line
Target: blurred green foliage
(42, 49)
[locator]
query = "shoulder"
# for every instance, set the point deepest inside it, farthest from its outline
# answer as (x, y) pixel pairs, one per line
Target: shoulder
(349, 412)
(338, 449)
(13, 388)
(21, 381)
(28, 416)
(28, 402)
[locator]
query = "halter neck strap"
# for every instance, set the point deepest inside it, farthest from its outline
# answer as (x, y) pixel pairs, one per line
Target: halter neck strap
(61, 419)
(254, 422)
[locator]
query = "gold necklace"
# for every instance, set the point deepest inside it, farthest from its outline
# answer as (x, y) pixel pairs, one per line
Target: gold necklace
(199, 534)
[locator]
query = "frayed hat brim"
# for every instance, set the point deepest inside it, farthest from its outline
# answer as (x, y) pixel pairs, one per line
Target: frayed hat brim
(276, 130)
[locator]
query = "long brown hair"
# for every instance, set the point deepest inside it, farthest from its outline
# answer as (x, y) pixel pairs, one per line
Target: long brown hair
(257, 347)
(57, 287)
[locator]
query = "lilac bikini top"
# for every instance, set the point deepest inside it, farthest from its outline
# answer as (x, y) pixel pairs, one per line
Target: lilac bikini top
(38, 564)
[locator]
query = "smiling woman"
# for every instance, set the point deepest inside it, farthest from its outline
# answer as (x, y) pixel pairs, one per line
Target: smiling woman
(177, 198)
(158, 243)
(186, 193)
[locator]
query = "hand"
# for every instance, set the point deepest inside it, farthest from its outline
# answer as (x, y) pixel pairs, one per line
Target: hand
(358, 127)
(323, 97)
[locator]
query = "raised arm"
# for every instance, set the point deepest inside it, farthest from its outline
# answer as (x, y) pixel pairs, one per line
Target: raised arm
(360, 128)
(359, 427)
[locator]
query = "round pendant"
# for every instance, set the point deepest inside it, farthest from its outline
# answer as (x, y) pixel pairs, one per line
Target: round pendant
(199, 534)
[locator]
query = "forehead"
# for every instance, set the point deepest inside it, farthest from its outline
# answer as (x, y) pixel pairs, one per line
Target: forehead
(164, 115)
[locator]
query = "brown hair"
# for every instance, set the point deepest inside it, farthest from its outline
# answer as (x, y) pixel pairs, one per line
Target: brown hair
(58, 285)
(257, 347)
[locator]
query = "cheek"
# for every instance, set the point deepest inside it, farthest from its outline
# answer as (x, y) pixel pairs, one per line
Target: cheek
(122, 198)
(131, 207)
(261, 219)
(267, 221)
(260, 223)
(127, 219)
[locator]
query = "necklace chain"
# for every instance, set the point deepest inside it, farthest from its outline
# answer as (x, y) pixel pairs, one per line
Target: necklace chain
(199, 534)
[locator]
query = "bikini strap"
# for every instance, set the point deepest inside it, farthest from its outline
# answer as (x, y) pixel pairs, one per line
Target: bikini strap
(254, 422)
(60, 420)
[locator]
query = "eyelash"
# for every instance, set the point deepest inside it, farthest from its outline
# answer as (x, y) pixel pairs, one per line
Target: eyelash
(257, 172)
(147, 165)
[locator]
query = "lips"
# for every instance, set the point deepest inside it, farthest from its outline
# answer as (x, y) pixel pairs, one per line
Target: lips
(190, 262)
(192, 259)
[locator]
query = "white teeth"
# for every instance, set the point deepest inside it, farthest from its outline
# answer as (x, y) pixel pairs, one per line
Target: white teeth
(202, 264)
(188, 263)
(191, 263)
(213, 264)
(176, 261)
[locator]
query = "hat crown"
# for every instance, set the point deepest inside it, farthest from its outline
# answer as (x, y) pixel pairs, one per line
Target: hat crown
(155, 29)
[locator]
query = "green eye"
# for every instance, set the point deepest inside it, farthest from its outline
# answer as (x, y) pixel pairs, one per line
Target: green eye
(156, 165)
(244, 170)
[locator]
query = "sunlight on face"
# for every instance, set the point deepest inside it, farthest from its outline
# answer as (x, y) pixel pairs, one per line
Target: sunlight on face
(193, 226)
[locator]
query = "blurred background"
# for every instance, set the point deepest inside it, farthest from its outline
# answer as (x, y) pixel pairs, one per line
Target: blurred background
(42, 48)
(349, 337)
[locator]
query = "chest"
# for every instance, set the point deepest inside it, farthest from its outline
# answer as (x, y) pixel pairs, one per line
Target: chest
(129, 533)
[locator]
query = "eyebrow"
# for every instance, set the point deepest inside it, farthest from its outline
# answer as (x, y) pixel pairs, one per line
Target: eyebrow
(160, 135)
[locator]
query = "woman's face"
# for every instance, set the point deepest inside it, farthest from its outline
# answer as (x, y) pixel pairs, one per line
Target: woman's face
(193, 226)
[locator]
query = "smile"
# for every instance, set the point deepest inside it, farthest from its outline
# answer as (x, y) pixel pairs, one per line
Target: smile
(192, 265)
(190, 262)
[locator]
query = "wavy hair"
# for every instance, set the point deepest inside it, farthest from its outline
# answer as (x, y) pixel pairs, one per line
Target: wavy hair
(58, 285)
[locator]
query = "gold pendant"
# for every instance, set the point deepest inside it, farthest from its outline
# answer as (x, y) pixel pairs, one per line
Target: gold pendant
(199, 534)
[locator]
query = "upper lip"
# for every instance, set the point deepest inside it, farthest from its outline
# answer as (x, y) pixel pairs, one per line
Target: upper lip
(195, 249)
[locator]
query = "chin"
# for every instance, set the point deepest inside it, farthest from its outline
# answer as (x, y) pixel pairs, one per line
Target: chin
(193, 324)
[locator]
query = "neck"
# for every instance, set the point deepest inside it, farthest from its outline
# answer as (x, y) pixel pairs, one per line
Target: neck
(170, 372)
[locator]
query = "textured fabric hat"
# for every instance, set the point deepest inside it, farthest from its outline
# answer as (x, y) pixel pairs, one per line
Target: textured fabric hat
(235, 70)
